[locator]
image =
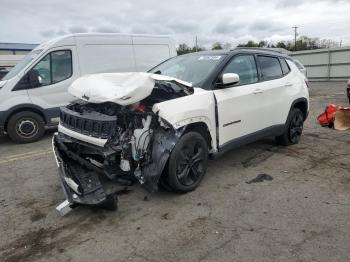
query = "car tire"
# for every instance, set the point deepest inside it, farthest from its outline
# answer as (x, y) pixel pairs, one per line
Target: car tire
(294, 128)
(26, 127)
(110, 203)
(187, 163)
(163, 181)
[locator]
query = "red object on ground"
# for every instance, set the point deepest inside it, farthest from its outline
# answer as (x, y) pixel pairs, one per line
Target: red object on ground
(327, 117)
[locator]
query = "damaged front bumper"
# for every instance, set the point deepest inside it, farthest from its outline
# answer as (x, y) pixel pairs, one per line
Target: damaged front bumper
(84, 183)
(79, 184)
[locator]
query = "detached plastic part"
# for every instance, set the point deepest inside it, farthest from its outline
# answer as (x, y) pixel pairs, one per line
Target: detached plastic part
(64, 208)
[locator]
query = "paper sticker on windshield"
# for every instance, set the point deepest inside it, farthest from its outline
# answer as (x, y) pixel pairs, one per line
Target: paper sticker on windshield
(213, 57)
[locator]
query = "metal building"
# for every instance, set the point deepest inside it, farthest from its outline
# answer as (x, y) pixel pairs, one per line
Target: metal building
(326, 64)
(11, 53)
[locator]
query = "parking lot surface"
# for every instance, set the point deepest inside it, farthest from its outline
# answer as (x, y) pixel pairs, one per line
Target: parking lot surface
(295, 207)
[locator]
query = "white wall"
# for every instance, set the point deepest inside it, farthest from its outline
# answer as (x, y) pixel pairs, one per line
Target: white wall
(326, 64)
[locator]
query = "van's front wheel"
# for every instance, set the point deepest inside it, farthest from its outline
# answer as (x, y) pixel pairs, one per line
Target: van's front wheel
(26, 127)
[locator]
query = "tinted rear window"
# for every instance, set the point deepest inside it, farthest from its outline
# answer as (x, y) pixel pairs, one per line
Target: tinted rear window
(270, 67)
(285, 67)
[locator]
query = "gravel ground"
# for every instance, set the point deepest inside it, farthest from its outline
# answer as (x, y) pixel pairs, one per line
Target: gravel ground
(299, 213)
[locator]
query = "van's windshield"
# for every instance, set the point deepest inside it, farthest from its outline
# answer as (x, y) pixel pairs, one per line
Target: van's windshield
(22, 64)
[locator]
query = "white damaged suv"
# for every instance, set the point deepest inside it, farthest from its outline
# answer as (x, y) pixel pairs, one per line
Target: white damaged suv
(159, 127)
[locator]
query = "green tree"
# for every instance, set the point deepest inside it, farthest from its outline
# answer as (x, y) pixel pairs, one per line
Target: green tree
(250, 43)
(281, 44)
(216, 46)
(262, 44)
(183, 49)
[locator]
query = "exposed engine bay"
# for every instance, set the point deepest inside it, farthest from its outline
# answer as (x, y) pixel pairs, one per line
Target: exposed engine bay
(101, 145)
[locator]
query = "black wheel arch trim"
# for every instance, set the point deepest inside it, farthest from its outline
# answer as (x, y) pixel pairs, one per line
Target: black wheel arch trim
(300, 100)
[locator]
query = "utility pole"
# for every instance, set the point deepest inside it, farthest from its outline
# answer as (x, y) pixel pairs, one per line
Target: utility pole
(196, 45)
(295, 37)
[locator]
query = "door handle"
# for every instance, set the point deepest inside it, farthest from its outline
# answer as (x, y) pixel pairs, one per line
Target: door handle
(257, 91)
(288, 84)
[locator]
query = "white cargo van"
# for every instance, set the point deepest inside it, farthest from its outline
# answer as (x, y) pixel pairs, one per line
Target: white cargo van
(34, 90)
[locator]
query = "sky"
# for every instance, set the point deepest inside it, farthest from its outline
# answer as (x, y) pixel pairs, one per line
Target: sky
(229, 21)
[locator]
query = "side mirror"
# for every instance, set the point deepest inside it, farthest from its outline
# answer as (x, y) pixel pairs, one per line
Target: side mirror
(229, 79)
(34, 78)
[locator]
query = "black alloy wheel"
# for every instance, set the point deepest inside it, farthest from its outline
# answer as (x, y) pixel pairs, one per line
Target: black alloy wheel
(296, 127)
(187, 163)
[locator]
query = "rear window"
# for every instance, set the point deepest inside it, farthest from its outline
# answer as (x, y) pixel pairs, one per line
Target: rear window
(270, 67)
(284, 65)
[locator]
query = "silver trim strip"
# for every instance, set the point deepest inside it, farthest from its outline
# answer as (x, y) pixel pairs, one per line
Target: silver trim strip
(53, 149)
(89, 139)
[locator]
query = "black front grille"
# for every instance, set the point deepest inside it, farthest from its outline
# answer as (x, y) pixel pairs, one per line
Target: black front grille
(90, 123)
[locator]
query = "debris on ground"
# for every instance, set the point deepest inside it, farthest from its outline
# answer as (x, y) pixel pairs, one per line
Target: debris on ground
(335, 116)
(327, 117)
(260, 178)
(342, 119)
(165, 216)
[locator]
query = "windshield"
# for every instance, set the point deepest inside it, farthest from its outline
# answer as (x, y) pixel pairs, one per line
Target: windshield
(22, 64)
(193, 68)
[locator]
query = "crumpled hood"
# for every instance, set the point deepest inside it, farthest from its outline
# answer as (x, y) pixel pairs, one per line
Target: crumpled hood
(120, 88)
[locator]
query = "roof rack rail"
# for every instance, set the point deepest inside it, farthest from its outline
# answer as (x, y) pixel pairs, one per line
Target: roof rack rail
(259, 48)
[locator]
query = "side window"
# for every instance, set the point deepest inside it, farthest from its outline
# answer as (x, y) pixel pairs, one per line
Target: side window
(43, 69)
(270, 67)
(245, 67)
(61, 65)
(284, 65)
(55, 67)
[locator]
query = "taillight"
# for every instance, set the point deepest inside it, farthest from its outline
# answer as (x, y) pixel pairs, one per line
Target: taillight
(349, 84)
(307, 83)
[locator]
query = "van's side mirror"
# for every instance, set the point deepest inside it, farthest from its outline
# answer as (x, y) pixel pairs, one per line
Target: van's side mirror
(229, 79)
(34, 78)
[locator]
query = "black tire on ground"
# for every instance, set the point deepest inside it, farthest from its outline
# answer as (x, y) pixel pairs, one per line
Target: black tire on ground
(111, 203)
(163, 181)
(26, 127)
(187, 163)
(294, 128)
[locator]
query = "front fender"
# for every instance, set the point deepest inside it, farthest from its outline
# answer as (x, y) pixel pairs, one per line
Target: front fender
(198, 107)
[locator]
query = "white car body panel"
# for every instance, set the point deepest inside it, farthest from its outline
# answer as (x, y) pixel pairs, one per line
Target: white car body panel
(242, 110)
(239, 111)
(198, 107)
(120, 88)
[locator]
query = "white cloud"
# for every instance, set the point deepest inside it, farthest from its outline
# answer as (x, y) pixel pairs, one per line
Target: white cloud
(225, 21)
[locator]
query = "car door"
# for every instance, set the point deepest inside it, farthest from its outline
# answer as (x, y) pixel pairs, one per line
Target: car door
(274, 86)
(238, 106)
(57, 70)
